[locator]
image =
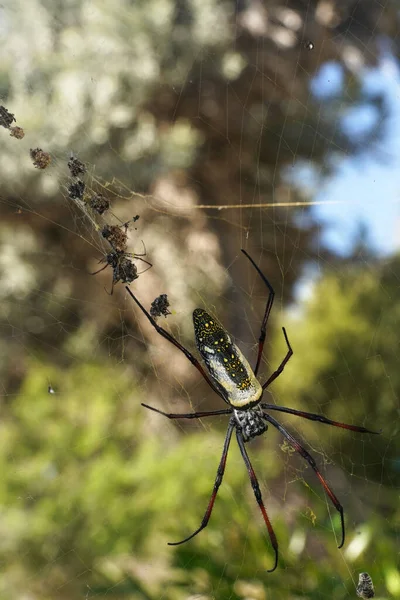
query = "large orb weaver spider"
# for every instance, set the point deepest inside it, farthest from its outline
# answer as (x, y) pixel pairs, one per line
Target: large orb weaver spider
(232, 378)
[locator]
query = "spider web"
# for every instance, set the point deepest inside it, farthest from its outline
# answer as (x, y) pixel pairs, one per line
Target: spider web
(222, 126)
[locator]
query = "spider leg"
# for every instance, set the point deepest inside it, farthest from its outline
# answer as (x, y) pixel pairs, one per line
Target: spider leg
(145, 261)
(279, 370)
(112, 287)
(100, 270)
(307, 456)
(257, 493)
(195, 415)
(138, 257)
(217, 483)
(268, 307)
(315, 417)
(144, 250)
(175, 342)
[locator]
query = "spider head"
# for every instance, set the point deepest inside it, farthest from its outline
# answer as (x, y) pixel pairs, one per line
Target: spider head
(251, 422)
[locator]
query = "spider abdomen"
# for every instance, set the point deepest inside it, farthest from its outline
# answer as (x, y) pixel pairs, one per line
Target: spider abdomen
(228, 367)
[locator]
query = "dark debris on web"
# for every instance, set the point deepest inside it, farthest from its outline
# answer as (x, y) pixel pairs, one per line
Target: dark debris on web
(76, 190)
(40, 158)
(99, 203)
(160, 306)
(17, 132)
(6, 121)
(116, 236)
(76, 167)
(118, 258)
(6, 118)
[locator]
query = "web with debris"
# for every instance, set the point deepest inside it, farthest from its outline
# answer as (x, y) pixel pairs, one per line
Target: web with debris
(144, 145)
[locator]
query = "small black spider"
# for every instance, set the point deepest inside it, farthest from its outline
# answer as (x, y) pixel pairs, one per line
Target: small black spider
(119, 259)
(123, 267)
(232, 378)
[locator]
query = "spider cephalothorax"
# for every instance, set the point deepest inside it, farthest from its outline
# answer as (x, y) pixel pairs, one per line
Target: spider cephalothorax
(251, 422)
(232, 378)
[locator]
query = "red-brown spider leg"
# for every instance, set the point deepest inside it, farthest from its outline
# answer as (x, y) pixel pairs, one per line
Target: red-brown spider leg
(146, 269)
(195, 415)
(112, 288)
(175, 342)
(279, 370)
(314, 417)
(100, 270)
(138, 257)
(217, 483)
(268, 307)
(145, 261)
(144, 250)
(307, 456)
(257, 493)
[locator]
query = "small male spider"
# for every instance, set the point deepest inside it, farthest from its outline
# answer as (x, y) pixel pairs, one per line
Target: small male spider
(231, 377)
(118, 258)
(122, 266)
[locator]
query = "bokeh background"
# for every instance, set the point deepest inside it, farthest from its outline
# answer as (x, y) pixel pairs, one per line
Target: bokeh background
(266, 125)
